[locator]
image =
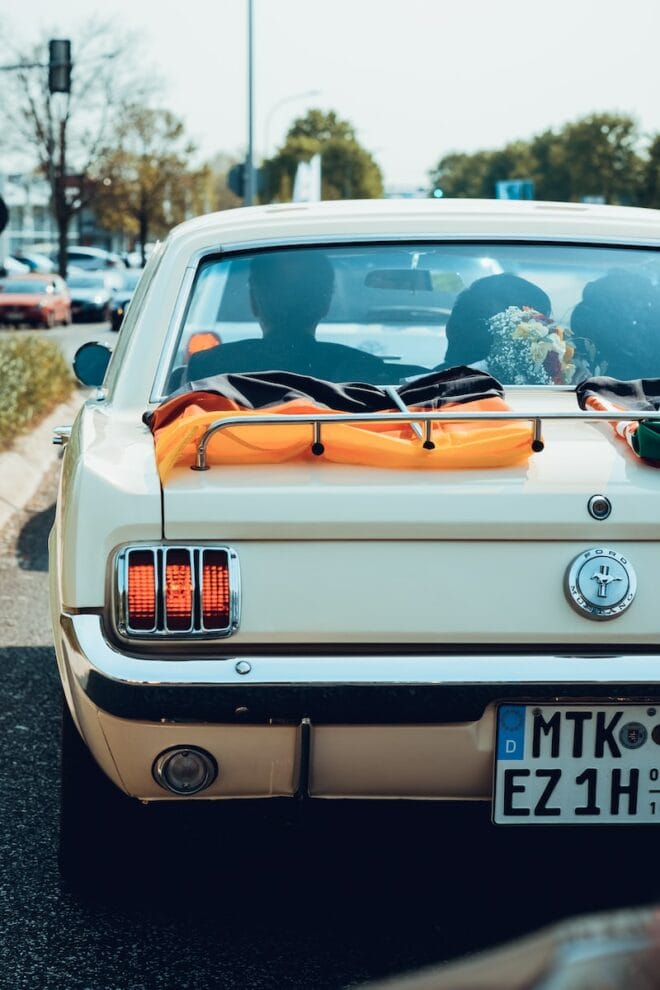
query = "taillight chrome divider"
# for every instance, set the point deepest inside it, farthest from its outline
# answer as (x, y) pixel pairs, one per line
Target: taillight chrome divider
(160, 554)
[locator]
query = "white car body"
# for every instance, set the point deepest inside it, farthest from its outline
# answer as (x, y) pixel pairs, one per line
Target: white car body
(383, 613)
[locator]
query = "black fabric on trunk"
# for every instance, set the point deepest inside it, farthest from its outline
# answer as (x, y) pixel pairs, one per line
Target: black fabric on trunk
(260, 390)
(641, 393)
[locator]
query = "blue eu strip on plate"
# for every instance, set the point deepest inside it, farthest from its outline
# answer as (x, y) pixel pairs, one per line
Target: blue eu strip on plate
(511, 732)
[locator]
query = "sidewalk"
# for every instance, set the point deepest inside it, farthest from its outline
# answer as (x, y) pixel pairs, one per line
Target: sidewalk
(32, 455)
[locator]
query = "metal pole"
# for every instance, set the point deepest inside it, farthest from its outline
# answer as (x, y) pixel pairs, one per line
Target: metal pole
(248, 199)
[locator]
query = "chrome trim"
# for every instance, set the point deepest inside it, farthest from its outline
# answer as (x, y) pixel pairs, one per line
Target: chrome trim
(316, 420)
(176, 319)
(487, 237)
(585, 605)
(88, 652)
(234, 588)
(61, 435)
(232, 247)
(402, 407)
(121, 583)
(119, 586)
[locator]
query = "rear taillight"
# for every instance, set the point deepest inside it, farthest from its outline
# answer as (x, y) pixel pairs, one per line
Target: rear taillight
(215, 589)
(141, 590)
(177, 591)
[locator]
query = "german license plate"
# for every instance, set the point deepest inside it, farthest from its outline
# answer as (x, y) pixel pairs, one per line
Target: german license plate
(583, 764)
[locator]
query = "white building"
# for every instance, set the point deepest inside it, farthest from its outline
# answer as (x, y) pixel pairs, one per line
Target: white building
(30, 219)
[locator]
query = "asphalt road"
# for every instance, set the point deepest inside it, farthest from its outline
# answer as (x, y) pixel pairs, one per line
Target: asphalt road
(326, 896)
(71, 338)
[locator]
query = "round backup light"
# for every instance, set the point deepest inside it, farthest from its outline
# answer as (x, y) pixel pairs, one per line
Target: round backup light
(185, 769)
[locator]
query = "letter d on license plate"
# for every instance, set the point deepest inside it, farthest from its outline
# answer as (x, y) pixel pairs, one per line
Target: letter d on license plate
(583, 764)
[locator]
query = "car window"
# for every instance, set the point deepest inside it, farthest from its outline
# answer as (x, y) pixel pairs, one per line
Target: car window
(385, 313)
(15, 286)
(87, 281)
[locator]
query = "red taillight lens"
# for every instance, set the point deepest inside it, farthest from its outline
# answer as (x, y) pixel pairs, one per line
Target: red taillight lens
(141, 590)
(178, 590)
(215, 589)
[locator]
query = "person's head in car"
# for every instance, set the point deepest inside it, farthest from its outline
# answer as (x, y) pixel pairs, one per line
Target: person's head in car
(290, 292)
(617, 326)
(467, 330)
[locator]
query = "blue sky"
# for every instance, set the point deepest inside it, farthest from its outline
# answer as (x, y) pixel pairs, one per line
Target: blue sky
(416, 78)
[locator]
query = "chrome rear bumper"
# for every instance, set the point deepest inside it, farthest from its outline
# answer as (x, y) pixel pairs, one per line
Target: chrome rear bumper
(357, 689)
(420, 727)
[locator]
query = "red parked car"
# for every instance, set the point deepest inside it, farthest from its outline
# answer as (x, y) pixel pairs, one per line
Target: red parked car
(36, 300)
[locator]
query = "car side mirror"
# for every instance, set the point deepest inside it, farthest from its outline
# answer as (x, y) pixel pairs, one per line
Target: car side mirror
(91, 362)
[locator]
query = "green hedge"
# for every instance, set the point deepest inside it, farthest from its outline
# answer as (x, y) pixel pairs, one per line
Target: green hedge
(34, 378)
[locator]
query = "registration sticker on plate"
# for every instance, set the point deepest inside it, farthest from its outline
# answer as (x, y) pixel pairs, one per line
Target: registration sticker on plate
(583, 764)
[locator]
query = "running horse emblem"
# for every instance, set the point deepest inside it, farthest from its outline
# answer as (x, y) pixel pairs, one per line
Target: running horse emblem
(604, 579)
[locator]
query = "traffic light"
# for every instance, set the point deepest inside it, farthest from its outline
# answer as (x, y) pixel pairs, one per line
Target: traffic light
(59, 66)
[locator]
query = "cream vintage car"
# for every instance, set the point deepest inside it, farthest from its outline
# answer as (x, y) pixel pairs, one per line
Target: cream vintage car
(337, 522)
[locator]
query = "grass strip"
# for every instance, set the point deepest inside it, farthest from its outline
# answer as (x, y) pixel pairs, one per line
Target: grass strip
(34, 378)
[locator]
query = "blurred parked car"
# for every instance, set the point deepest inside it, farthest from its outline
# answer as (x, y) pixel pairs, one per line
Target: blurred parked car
(12, 266)
(91, 295)
(37, 300)
(123, 296)
(36, 262)
(93, 259)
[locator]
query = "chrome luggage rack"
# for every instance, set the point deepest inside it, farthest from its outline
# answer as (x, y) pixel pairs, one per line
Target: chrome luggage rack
(415, 419)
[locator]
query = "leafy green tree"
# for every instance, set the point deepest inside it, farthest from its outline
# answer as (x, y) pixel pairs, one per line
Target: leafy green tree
(348, 171)
(461, 175)
(597, 155)
(148, 184)
(551, 171)
(601, 156)
(514, 161)
(475, 175)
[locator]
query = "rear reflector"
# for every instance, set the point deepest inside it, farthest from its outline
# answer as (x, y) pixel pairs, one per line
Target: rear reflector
(177, 591)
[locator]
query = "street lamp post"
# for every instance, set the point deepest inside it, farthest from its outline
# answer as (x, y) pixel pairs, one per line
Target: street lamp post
(248, 198)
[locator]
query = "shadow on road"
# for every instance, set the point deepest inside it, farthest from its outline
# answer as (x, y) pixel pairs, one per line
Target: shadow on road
(273, 895)
(32, 543)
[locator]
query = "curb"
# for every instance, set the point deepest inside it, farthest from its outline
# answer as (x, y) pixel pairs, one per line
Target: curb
(25, 464)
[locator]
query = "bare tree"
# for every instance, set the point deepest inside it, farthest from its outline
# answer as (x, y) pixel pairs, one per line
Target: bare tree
(149, 183)
(66, 133)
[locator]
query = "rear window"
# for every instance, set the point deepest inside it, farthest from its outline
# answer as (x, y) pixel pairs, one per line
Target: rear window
(386, 313)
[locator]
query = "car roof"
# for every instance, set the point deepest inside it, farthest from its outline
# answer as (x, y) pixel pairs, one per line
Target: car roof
(450, 218)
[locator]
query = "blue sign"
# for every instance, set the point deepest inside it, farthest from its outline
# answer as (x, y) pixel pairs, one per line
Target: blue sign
(514, 189)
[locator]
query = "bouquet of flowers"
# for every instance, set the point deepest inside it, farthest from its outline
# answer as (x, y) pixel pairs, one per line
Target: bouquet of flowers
(529, 348)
